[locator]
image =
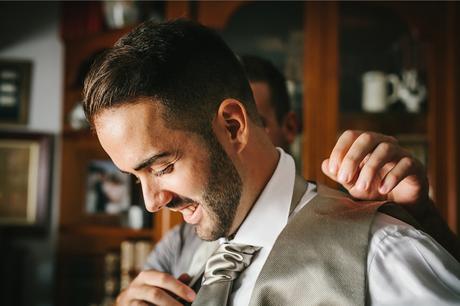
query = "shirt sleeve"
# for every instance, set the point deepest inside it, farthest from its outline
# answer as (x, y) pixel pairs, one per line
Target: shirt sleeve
(165, 255)
(408, 267)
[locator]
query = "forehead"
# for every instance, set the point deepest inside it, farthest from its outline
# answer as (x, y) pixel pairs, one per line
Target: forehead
(140, 118)
(261, 92)
(130, 133)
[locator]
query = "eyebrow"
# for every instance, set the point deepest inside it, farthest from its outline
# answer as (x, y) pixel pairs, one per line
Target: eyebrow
(151, 160)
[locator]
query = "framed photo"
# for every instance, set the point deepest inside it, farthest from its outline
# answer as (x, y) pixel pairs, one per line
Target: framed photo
(25, 168)
(14, 91)
(107, 189)
(113, 198)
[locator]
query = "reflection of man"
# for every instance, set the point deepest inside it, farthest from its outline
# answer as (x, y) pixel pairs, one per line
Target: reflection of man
(272, 100)
(170, 104)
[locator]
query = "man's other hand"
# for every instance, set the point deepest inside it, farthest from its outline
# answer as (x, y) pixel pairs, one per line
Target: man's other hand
(157, 288)
(373, 166)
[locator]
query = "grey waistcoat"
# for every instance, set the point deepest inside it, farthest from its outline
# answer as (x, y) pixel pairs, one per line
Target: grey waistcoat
(320, 258)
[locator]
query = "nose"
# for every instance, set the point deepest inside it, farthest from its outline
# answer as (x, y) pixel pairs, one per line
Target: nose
(154, 197)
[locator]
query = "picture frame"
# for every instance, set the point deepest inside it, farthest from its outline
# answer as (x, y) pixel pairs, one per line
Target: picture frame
(108, 190)
(15, 76)
(82, 157)
(113, 198)
(25, 179)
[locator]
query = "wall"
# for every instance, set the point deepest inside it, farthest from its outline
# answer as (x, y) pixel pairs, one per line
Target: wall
(30, 30)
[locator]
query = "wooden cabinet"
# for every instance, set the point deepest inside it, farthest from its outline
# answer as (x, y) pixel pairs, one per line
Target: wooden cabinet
(432, 26)
(85, 238)
(340, 41)
(310, 42)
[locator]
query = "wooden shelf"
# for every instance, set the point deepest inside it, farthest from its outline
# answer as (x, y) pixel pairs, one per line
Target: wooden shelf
(387, 123)
(70, 133)
(97, 240)
(106, 231)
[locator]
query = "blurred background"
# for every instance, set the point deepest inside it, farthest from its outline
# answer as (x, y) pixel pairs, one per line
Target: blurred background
(73, 230)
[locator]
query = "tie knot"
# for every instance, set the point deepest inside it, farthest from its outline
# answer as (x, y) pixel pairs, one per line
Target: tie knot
(228, 261)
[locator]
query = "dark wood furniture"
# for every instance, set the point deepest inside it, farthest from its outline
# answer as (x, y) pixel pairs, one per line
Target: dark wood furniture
(83, 240)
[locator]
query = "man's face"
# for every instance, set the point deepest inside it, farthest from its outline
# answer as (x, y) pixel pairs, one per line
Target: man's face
(277, 135)
(177, 169)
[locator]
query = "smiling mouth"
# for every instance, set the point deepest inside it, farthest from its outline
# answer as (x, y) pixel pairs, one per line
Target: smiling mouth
(191, 212)
(178, 203)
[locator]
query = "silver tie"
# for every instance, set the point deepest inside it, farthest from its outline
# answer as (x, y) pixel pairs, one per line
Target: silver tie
(224, 266)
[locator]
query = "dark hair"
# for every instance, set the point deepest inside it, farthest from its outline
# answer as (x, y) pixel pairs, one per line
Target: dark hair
(180, 64)
(262, 70)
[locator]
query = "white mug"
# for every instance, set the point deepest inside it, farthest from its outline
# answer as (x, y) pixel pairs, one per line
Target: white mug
(375, 98)
(135, 217)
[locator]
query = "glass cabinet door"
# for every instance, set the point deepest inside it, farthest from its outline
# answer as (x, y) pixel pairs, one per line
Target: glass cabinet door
(271, 30)
(382, 83)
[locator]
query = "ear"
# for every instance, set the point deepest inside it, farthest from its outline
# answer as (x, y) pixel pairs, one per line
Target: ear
(290, 127)
(231, 125)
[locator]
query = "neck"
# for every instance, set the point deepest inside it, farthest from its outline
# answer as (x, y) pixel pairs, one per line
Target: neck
(257, 166)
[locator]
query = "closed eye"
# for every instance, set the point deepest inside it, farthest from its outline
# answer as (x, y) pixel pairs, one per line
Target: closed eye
(166, 170)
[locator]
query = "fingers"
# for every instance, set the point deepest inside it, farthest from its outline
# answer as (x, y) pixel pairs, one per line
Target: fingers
(373, 166)
(406, 167)
(152, 295)
(326, 169)
(153, 287)
(385, 154)
(168, 282)
(340, 149)
(138, 303)
(351, 150)
(364, 144)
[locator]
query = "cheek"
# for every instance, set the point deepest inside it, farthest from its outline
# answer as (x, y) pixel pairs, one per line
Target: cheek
(275, 134)
(188, 179)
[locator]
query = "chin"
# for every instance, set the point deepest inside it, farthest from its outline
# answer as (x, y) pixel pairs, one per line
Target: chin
(205, 233)
(209, 232)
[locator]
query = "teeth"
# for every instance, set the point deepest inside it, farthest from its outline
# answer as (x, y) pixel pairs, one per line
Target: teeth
(189, 209)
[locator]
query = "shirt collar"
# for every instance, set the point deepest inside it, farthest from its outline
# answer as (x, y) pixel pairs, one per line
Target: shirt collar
(270, 213)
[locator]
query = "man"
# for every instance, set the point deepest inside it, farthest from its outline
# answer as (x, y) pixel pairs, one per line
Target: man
(174, 253)
(171, 105)
(272, 100)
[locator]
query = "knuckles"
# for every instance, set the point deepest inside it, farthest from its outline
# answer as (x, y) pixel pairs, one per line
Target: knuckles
(154, 294)
(386, 147)
(391, 177)
(350, 134)
(408, 162)
(351, 158)
(142, 275)
(366, 137)
(161, 278)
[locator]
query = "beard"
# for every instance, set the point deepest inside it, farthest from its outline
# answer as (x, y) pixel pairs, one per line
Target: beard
(222, 192)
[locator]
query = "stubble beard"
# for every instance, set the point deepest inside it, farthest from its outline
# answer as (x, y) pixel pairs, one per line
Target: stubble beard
(222, 193)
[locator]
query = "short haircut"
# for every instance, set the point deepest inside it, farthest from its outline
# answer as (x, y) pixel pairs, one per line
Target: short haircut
(262, 70)
(182, 65)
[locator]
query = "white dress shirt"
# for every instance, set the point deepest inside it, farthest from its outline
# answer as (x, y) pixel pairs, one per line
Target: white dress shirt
(404, 265)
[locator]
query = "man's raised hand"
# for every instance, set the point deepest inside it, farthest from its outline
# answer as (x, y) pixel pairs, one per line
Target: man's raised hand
(373, 166)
